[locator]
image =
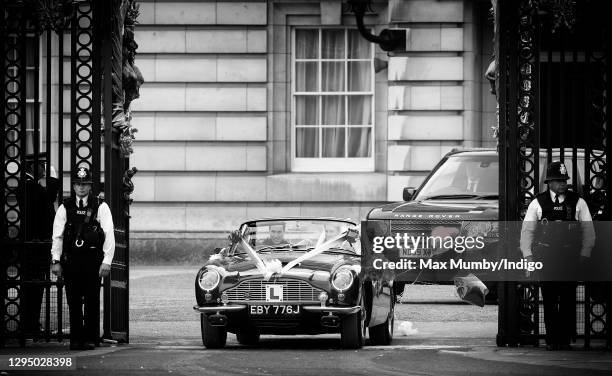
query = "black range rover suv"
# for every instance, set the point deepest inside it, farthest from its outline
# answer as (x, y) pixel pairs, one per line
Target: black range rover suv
(459, 197)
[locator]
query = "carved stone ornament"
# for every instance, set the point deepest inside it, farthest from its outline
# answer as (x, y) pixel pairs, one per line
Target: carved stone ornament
(562, 13)
(126, 77)
(128, 187)
(126, 139)
(492, 72)
(52, 14)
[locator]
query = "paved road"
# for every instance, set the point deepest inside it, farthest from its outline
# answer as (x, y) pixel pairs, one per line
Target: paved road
(321, 356)
(446, 339)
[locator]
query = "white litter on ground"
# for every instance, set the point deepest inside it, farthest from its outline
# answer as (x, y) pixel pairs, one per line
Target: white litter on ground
(405, 328)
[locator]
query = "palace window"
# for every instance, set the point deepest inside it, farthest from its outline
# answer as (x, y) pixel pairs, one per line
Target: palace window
(332, 100)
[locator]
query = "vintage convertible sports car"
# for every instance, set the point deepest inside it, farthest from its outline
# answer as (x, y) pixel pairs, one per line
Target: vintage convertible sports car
(293, 276)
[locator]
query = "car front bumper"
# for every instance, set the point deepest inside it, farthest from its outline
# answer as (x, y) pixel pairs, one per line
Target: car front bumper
(309, 308)
(328, 309)
(312, 319)
(220, 308)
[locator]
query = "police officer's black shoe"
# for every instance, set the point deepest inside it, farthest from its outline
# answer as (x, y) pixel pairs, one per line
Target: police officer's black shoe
(76, 345)
(552, 347)
(89, 346)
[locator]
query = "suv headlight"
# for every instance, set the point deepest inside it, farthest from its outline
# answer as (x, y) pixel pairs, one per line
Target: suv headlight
(209, 280)
(342, 279)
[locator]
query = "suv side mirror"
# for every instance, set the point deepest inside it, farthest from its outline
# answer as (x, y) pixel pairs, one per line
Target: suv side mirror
(408, 193)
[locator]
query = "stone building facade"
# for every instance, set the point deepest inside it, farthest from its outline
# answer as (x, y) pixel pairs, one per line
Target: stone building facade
(278, 108)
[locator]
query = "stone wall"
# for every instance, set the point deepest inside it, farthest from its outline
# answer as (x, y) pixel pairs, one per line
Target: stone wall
(438, 98)
(214, 117)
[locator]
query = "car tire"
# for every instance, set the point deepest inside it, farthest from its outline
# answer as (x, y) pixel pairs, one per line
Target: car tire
(213, 337)
(353, 329)
(247, 337)
(492, 296)
(382, 335)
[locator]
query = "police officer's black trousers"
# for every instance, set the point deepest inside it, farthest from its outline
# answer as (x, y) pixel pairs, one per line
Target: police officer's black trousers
(34, 274)
(83, 293)
(559, 311)
(33, 289)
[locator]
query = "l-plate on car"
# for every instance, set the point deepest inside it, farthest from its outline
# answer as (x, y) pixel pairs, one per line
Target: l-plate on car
(293, 276)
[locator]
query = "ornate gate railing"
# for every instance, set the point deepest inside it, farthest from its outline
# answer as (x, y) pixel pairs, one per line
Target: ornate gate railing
(122, 80)
(64, 68)
(553, 81)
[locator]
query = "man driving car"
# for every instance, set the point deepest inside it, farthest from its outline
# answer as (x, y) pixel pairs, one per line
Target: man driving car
(276, 235)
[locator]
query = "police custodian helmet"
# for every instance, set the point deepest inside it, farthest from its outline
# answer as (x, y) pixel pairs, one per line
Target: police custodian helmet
(556, 171)
(82, 175)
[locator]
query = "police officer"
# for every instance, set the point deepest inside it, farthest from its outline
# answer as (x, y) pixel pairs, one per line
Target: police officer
(559, 229)
(82, 251)
(36, 202)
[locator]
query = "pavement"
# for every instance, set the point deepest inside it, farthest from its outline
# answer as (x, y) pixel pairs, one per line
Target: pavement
(446, 340)
(470, 339)
(444, 336)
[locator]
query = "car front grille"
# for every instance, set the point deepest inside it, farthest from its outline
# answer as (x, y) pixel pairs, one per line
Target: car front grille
(418, 228)
(254, 290)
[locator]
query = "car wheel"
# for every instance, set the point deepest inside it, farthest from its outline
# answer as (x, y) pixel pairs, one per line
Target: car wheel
(382, 335)
(213, 337)
(492, 296)
(353, 329)
(247, 337)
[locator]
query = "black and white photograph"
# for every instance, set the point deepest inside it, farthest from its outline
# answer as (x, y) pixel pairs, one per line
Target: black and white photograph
(305, 187)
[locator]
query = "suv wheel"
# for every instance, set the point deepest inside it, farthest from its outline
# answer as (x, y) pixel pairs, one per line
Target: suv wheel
(382, 334)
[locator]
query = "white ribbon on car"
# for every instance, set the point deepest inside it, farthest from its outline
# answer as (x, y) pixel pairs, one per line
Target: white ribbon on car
(319, 248)
(269, 268)
(263, 268)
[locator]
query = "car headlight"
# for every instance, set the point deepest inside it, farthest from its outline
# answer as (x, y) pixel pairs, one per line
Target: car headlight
(342, 279)
(209, 280)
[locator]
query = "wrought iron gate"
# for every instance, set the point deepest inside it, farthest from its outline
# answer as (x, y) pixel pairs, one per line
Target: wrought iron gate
(553, 80)
(64, 106)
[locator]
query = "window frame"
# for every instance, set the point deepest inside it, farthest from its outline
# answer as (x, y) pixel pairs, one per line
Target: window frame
(31, 100)
(321, 164)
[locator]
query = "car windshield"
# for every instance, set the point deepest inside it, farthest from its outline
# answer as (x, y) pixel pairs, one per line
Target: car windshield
(463, 177)
(295, 235)
(476, 176)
